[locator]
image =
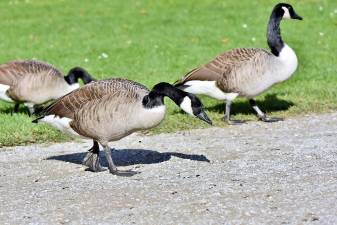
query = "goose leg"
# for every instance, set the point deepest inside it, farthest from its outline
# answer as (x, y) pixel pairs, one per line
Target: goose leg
(261, 115)
(92, 159)
(16, 107)
(227, 115)
(111, 165)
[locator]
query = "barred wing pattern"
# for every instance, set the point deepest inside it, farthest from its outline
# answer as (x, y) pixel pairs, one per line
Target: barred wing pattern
(116, 88)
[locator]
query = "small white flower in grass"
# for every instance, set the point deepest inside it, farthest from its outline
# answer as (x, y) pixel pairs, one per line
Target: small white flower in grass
(86, 60)
(244, 26)
(253, 39)
(321, 34)
(104, 55)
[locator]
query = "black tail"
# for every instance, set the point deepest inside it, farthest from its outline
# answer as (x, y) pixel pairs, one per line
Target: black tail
(37, 119)
(181, 86)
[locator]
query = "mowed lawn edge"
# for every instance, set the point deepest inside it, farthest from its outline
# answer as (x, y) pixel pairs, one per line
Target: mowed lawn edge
(150, 41)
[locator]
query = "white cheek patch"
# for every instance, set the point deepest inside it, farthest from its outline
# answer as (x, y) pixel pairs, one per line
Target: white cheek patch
(186, 105)
(3, 95)
(286, 14)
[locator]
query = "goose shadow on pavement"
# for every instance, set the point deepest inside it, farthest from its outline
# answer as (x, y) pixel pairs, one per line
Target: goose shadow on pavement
(128, 157)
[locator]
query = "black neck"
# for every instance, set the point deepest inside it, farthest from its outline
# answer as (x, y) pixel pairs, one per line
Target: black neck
(159, 91)
(78, 73)
(275, 41)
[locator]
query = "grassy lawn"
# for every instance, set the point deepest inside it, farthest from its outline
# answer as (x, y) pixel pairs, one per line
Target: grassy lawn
(152, 41)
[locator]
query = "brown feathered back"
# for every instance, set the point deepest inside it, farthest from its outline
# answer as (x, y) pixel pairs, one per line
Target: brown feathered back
(33, 81)
(225, 68)
(71, 103)
(13, 71)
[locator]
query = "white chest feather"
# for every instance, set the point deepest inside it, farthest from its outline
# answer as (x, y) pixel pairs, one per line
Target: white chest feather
(277, 70)
(3, 95)
(150, 117)
(73, 87)
(288, 63)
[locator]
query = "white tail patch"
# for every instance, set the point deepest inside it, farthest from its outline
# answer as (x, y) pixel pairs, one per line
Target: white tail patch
(186, 105)
(3, 95)
(208, 88)
(62, 124)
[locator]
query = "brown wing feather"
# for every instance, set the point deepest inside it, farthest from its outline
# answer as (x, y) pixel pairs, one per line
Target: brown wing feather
(68, 105)
(222, 65)
(11, 73)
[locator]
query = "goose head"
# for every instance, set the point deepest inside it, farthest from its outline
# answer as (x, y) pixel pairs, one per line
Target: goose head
(193, 106)
(78, 73)
(186, 101)
(286, 11)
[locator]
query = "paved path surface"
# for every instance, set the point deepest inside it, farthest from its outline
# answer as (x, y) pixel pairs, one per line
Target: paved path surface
(257, 173)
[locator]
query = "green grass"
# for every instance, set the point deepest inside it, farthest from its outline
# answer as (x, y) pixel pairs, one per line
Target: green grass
(152, 41)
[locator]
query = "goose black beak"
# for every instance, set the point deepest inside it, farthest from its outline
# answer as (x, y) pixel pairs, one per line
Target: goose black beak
(203, 116)
(296, 17)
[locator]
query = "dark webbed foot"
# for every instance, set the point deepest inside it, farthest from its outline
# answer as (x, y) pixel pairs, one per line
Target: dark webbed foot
(270, 119)
(92, 161)
(227, 117)
(233, 122)
(125, 173)
(262, 115)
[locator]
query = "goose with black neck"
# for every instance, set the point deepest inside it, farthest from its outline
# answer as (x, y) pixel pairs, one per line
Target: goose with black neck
(33, 82)
(109, 110)
(246, 72)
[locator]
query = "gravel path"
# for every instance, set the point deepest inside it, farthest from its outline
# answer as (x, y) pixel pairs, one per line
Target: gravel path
(257, 173)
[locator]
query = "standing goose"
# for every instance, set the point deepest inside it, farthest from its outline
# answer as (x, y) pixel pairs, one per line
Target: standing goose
(246, 72)
(109, 110)
(33, 82)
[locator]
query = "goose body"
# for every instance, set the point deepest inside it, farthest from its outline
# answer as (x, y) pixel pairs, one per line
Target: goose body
(33, 82)
(106, 111)
(246, 72)
(109, 110)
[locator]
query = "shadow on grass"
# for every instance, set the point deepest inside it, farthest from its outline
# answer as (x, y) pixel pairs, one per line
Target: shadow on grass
(127, 157)
(271, 103)
(22, 109)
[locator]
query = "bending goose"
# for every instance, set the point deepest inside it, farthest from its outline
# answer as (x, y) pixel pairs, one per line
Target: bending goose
(109, 110)
(33, 82)
(246, 72)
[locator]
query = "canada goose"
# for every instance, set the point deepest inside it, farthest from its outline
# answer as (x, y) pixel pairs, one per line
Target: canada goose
(246, 72)
(109, 110)
(33, 82)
